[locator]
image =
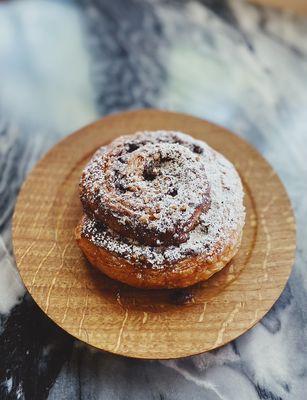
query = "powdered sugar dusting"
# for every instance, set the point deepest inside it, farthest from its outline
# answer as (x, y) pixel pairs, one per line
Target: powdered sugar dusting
(148, 186)
(218, 227)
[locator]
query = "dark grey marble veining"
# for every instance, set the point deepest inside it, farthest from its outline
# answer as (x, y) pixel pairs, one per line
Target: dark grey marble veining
(64, 64)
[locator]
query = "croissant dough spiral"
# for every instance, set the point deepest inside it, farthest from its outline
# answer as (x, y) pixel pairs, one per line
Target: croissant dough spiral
(161, 210)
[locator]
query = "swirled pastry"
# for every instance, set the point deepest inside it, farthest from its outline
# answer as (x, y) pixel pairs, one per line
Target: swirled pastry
(151, 188)
(161, 210)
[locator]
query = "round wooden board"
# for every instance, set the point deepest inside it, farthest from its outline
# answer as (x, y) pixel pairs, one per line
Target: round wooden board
(147, 323)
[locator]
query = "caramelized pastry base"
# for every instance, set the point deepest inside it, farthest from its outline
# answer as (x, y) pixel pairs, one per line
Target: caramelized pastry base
(181, 274)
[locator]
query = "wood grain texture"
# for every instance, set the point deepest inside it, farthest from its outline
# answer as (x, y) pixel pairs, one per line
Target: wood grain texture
(298, 6)
(143, 323)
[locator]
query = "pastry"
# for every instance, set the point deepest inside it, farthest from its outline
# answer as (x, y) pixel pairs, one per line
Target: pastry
(161, 210)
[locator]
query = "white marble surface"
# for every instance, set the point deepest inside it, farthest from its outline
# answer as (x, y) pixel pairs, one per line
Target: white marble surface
(64, 64)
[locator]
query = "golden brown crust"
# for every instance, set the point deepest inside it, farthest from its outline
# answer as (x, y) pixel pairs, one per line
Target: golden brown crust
(184, 273)
(193, 193)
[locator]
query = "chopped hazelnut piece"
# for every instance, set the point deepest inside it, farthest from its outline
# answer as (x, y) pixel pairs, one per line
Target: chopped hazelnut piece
(143, 218)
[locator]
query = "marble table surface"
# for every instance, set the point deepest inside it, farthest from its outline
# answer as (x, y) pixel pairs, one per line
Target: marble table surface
(64, 64)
